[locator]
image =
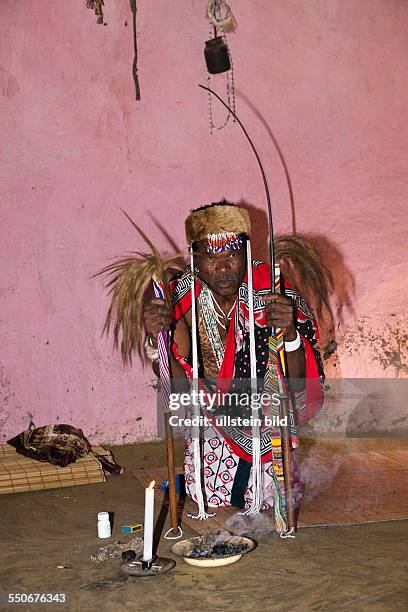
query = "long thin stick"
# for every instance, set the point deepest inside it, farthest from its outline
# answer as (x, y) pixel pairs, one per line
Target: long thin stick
(171, 473)
(287, 459)
(165, 381)
(283, 403)
(265, 182)
(133, 8)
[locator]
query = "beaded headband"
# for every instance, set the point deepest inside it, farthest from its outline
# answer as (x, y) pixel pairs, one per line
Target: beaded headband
(217, 243)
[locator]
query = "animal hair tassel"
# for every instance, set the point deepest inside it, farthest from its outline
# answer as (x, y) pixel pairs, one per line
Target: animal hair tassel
(128, 280)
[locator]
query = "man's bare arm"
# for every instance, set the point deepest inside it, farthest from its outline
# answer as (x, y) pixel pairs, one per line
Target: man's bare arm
(181, 336)
(159, 317)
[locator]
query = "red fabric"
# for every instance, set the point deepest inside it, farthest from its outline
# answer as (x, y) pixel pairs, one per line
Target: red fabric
(261, 280)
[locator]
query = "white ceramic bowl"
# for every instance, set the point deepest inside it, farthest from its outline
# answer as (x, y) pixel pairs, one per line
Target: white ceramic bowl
(183, 549)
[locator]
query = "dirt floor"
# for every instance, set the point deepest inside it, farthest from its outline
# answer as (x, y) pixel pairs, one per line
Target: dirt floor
(361, 567)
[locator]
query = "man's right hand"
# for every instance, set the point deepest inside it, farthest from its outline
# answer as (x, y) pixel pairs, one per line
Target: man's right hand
(157, 317)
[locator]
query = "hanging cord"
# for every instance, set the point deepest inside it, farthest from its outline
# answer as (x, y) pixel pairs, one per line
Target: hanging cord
(202, 514)
(230, 95)
(134, 68)
(256, 504)
(224, 24)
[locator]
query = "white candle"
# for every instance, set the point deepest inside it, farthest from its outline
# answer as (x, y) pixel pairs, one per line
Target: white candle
(148, 523)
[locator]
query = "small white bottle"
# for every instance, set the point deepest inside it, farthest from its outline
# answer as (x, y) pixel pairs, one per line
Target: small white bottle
(104, 526)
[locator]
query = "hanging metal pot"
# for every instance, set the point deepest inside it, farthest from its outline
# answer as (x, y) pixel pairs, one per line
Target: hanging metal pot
(217, 56)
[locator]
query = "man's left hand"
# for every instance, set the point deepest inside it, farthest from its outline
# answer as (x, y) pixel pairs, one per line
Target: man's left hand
(279, 313)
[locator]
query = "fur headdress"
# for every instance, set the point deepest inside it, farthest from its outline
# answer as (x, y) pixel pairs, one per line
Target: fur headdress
(217, 219)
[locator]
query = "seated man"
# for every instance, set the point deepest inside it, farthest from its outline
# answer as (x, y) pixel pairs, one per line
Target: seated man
(218, 236)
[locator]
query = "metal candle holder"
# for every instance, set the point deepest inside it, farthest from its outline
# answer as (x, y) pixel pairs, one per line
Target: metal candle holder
(140, 568)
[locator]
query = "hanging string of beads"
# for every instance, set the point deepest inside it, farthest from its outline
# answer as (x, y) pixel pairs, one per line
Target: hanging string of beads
(223, 318)
(221, 18)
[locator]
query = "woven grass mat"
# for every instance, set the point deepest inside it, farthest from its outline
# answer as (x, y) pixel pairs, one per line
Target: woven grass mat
(19, 473)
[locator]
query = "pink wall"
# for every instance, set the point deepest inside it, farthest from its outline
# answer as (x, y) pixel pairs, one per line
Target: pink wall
(328, 78)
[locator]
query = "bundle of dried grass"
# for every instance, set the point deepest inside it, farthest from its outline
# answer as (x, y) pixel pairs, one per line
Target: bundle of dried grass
(305, 270)
(128, 280)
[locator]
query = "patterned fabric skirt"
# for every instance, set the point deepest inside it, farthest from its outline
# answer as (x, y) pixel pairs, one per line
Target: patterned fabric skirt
(219, 470)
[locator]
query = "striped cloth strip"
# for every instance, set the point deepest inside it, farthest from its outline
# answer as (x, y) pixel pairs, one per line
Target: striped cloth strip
(276, 372)
(163, 349)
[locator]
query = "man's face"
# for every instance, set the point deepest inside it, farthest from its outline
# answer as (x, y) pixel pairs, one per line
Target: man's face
(222, 272)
